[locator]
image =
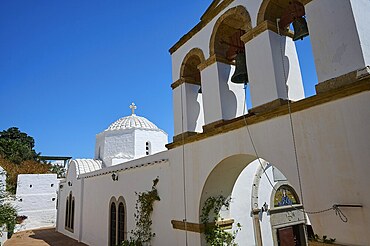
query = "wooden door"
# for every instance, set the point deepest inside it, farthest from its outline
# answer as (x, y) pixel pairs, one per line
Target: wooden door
(286, 236)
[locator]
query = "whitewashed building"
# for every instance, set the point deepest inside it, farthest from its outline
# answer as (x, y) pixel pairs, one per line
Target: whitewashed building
(36, 198)
(129, 138)
(313, 150)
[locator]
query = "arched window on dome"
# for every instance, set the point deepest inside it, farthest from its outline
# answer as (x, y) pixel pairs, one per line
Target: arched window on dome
(148, 148)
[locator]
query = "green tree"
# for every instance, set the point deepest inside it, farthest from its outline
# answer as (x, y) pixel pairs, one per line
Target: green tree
(17, 146)
(58, 169)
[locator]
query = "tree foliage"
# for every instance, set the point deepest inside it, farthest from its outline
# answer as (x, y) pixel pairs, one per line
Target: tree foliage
(215, 235)
(17, 146)
(8, 217)
(17, 156)
(58, 169)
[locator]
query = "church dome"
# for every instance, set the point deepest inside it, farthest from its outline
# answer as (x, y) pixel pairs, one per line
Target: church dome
(132, 121)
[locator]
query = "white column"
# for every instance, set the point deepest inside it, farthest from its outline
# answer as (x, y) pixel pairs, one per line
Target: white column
(221, 100)
(265, 55)
(340, 36)
(187, 108)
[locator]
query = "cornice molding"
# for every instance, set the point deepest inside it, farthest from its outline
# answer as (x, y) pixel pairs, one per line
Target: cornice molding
(205, 19)
(213, 59)
(181, 81)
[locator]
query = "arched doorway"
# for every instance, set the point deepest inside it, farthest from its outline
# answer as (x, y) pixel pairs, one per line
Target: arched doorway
(221, 181)
(262, 201)
(286, 216)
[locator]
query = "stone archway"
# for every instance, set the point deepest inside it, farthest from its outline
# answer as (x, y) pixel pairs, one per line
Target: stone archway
(221, 180)
(263, 180)
(233, 20)
(189, 71)
(272, 9)
(191, 76)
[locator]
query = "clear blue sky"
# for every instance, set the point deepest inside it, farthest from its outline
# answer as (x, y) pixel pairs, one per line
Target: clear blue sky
(68, 69)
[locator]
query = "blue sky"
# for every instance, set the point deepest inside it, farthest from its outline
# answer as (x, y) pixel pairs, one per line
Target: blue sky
(70, 68)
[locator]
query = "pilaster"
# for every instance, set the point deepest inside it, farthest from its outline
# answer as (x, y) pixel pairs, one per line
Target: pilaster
(188, 108)
(222, 99)
(272, 63)
(340, 36)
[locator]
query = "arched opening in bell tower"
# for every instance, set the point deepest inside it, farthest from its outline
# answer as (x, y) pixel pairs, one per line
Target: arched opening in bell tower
(289, 17)
(191, 75)
(227, 47)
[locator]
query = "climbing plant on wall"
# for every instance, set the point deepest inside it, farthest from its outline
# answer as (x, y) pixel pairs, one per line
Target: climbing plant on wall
(8, 213)
(142, 234)
(215, 235)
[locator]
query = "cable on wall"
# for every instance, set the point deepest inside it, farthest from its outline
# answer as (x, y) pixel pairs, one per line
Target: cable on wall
(183, 167)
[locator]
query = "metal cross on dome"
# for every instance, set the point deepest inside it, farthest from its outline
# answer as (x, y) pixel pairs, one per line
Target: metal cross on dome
(133, 107)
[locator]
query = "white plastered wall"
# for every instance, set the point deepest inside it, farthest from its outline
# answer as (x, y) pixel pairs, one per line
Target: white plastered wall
(332, 152)
(117, 144)
(36, 198)
(157, 141)
(102, 188)
(126, 144)
(339, 33)
(70, 184)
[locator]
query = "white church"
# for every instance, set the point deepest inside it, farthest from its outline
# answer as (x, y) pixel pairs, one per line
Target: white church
(287, 162)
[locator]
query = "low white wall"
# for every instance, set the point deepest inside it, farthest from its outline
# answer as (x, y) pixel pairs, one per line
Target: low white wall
(36, 198)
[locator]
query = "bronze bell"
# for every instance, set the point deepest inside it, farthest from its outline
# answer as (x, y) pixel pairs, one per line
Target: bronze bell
(300, 28)
(240, 75)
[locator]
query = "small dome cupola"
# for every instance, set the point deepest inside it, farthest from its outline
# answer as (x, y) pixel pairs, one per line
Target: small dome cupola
(132, 121)
(128, 138)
